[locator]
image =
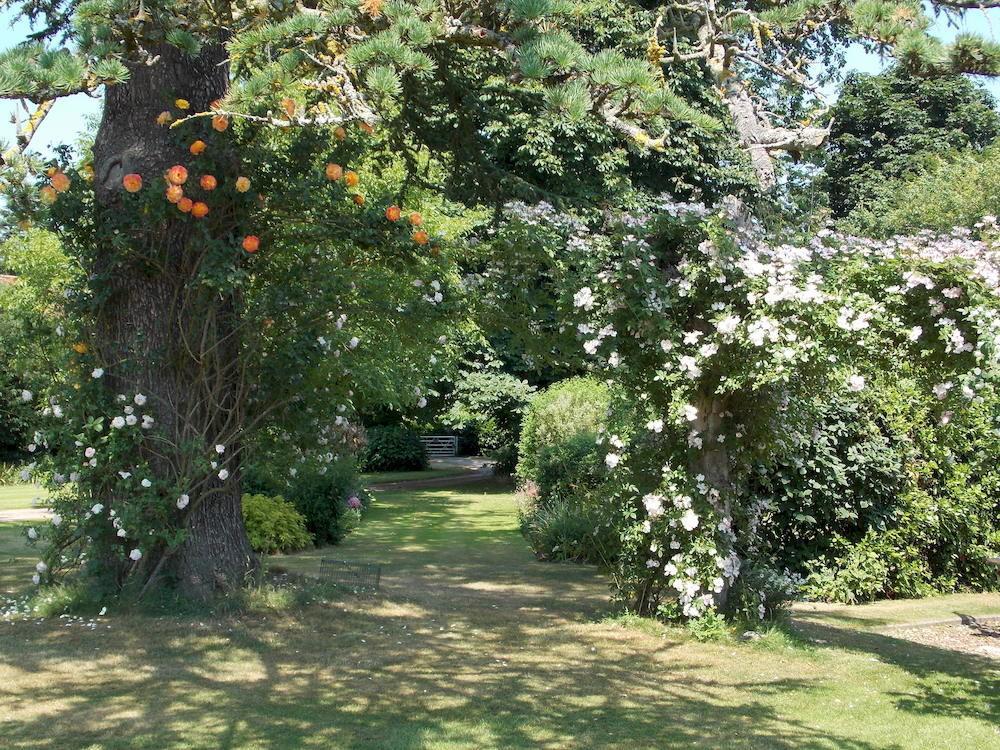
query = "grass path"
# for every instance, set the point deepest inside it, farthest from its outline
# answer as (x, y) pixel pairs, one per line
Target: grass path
(474, 644)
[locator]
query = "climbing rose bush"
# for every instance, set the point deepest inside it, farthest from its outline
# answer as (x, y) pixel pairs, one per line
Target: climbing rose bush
(714, 332)
(126, 471)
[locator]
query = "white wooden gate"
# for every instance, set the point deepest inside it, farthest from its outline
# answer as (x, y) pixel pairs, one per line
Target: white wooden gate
(440, 446)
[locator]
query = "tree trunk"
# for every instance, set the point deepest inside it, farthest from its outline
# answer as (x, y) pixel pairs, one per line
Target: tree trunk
(712, 462)
(162, 333)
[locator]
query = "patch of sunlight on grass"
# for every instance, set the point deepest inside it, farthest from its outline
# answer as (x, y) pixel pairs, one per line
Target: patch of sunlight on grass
(21, 496)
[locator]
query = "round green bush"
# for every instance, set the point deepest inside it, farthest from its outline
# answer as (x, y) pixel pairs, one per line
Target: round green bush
(393, 448)
(274, 525)
(570, 408)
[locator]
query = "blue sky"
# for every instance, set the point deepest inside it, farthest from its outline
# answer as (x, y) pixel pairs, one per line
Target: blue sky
(68, 117)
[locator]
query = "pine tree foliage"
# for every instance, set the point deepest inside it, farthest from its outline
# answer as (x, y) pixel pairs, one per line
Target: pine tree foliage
(349, 59)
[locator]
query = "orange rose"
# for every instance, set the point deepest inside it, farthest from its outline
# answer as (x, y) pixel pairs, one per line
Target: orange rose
(289, 106)
(420, 237)
(251, 243)
(242, 184)
(340, 134)
(164, 117)
(197, 147)
(60, 182)
(48, 194)
(185, 204)
(132, 182)
(199, 210)
(177, 175)
(351, 179)
(175, 193)
(220, 122)
(416, 219)
(392, 213)
(359, 200)
(334, 172)
(208, 182)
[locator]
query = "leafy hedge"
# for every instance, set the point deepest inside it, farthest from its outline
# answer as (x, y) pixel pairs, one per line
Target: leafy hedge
(562, 470)
(563, 411)
(883, 500)
(274, 525)
(393, 448)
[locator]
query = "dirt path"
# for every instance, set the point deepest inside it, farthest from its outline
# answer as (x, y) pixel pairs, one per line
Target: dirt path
(24, 514)
(480, 474)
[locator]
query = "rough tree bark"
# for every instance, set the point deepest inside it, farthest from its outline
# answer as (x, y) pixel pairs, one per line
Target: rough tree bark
(756, 133)
(712, 461)
(162, 334)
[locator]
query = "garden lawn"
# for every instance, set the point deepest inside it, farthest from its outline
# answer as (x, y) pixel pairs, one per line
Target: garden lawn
(475, 644)
(18, 496)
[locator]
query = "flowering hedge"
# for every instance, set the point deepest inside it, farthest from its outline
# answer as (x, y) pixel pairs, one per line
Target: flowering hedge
(715, 334)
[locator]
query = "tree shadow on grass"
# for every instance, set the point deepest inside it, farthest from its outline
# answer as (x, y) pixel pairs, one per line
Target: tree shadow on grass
(951, 683)
(339, 677)
(474, 644)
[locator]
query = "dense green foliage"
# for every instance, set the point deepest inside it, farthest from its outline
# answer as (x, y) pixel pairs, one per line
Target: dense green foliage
(565, 410)
(322, 495)
(31, 316)
(882, 500)
(392, 448)
(951, 190)
(885, 126)
(486, 408)
(274, 525)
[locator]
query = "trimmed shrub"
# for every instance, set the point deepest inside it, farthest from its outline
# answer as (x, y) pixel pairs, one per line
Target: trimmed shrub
(274, 525)
(570, 408)
(393, 448)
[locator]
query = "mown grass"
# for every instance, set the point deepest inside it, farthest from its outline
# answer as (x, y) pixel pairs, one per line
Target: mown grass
(475, 644)
(19, 496)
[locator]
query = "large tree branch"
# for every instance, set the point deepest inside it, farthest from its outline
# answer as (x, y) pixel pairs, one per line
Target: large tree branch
(27, 131)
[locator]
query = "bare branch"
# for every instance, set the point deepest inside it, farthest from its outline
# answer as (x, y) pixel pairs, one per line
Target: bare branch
(27, 131)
